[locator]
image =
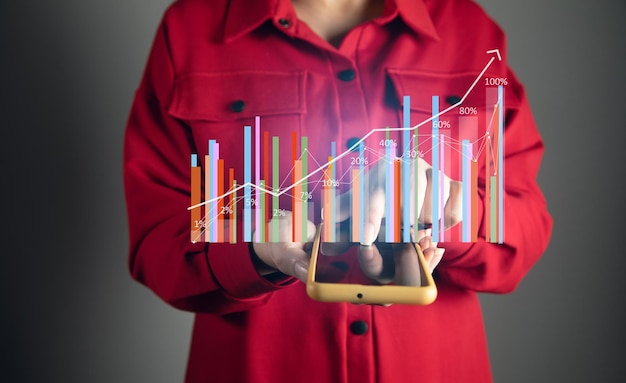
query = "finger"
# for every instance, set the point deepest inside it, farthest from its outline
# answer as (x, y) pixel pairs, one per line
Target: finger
(374, 213)
(437, 256)
(426, 214)
(426, 241)
(291, 261)
(335, 248)
(343, 206)
(374, 265)
(418, 187)
(453, 211)
(342, 243)
(432, 254)
(407, 266)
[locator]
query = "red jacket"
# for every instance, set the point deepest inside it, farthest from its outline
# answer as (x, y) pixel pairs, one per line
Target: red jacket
(209, 54)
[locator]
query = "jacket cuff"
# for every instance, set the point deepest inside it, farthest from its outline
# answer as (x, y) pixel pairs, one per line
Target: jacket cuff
(235, 272)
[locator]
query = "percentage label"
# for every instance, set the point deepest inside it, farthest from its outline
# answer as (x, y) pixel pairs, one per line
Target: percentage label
(279, 213)
(358, 161)
(332, 183)
(306, 195)
(414, 154)
(468, 110)
(441, 124)
(250, 202)
(200, 224)
(388, 143)
(226, 210)
(496, 81)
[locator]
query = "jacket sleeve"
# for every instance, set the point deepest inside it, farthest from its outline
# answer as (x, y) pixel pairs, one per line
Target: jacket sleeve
(498, 268)
(200, 277)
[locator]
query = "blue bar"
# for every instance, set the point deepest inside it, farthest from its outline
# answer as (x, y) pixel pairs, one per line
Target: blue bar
(194, 160)
(362, 192)
(435, 166)
(500, 164)
(210, 187)
(466, 190)
(406, 171)
(247, 179)
(389, 210)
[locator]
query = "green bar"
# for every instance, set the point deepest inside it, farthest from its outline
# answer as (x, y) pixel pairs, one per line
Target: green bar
(233, 218)
(493, 204)
(261, 203)
(275, 185)
(305, 188)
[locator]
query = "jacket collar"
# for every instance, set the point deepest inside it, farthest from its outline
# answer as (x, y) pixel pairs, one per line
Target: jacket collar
(243, 17)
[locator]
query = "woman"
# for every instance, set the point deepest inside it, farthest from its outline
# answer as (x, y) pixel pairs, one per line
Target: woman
(330, 71)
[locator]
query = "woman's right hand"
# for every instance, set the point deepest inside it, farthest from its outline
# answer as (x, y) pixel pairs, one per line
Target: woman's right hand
(285, 256)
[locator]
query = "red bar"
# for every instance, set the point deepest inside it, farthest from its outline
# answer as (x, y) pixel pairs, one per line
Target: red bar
(488, 154)
(220, 202)
(397, 204)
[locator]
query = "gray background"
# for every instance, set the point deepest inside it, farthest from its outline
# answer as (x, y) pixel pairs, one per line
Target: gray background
(71, 313)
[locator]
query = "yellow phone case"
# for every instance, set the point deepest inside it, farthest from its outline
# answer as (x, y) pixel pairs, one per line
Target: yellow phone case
(378, 294)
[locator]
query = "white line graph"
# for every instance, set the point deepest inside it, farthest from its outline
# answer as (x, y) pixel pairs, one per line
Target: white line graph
(350, 150)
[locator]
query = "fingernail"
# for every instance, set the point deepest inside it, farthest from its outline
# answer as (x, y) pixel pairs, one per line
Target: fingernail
(368, 235)
(301, 270)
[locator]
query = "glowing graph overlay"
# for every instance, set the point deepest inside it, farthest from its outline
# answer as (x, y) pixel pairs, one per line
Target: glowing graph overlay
(226, 210)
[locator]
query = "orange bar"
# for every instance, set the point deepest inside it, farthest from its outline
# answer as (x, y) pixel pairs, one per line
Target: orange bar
(196, 196)
(207, 197)
(231, 204)
(294, 143)
(221, 211)
(297, 211)
(356, 212)
(474, 191)
(327, 204)
(397, 209)
(266, 177)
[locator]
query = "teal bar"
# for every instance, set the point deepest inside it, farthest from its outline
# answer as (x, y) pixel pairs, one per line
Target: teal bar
(361, 187)
(247, 179)
(406, 171)
(435, 169)
(500, 164)
(305, 188)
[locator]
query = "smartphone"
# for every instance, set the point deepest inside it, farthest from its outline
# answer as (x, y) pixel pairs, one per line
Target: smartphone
(338, 278)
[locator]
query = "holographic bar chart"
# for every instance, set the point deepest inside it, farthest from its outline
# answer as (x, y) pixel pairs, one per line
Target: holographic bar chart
(463, 142)
(215, 213)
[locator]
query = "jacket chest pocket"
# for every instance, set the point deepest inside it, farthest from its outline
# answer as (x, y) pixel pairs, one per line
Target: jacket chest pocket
(465, 112)
(218, 105)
